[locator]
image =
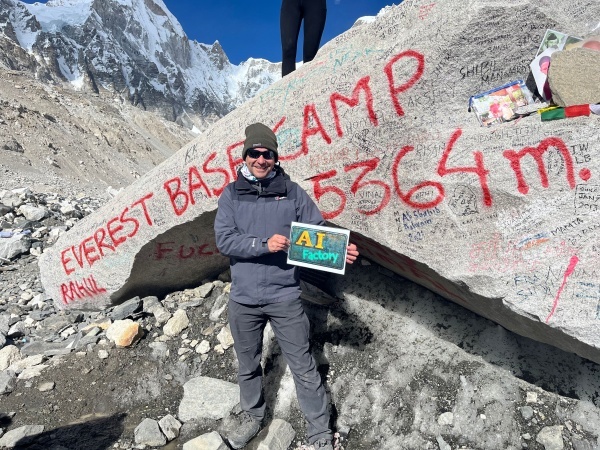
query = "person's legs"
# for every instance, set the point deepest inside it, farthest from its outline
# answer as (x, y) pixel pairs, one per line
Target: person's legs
(290, 19)
(247, 324)
(292, 328)
(315, 12)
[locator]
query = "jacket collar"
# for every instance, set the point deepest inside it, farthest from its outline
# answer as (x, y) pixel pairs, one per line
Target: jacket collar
(274, 186)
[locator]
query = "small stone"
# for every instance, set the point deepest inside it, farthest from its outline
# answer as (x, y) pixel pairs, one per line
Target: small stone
(446, 418)
(46, 386)
(177, 323)
(526, 412)
(148, 433)
(551, 437)
(9, 355)
(170, 426)
(225, 338)
(219, 349)
(532, 397)
(203, 347)
(212, 440)
(32, 372)
(102, 354)
(124, 333)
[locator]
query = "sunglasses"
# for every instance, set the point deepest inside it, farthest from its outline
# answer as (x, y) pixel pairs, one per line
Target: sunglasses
(255, 154)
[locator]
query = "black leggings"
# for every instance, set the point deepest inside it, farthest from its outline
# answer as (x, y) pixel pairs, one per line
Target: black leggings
(292, 12)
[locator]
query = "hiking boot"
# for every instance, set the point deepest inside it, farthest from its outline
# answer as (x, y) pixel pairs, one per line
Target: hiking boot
(323, 444)
(248, 426)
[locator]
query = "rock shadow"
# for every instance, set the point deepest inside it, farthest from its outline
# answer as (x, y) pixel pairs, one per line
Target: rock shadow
(89, 433)
(540, 364)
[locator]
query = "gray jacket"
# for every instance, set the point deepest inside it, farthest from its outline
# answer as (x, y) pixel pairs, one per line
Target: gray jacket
(247, 216)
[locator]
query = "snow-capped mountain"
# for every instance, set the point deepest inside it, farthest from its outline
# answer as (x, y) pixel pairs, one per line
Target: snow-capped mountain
(133, 48)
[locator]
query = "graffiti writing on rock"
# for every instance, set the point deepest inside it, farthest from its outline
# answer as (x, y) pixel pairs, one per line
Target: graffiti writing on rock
(86, 288)
(170, 250)
(108, 237)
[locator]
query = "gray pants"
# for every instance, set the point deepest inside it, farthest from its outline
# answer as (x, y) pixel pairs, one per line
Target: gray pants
(291, 327)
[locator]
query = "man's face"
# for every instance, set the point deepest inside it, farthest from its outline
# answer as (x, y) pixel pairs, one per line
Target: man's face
(258, 165)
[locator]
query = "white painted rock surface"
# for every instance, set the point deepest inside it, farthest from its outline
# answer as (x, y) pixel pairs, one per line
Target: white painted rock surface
(502, 220)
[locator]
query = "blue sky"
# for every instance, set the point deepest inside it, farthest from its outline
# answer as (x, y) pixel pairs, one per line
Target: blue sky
(250, 28)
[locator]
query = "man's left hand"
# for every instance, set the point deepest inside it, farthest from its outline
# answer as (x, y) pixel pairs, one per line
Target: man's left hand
(351, 253)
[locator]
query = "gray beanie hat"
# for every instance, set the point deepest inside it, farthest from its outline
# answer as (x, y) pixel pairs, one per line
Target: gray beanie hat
(259, 135)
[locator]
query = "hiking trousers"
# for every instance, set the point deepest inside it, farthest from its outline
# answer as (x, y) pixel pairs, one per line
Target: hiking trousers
(291, 328)
(313, 12)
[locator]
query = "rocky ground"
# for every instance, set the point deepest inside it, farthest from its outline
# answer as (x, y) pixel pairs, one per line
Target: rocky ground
(405, 369)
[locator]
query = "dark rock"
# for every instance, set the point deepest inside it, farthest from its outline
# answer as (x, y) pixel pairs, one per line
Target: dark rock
(126, 309)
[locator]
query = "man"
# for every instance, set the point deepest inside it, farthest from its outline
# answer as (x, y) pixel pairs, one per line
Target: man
(252, 228)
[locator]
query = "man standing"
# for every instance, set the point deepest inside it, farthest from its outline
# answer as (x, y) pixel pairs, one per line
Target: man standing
(252, 228)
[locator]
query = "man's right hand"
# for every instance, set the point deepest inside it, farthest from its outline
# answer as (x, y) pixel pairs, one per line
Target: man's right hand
(277, 243)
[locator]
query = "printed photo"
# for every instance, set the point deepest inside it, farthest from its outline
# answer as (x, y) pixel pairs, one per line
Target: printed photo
(552, 39)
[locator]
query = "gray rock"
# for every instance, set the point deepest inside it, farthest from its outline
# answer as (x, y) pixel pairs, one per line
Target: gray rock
(148, 433)
(446, 418)
(204, 290)
(279, 436)
(190, 304)
(30, 212)
(32, 372)
(225, 338)
(161, 314)
(17, 330)
(170, 426)
(150, 303)
(208, 441)
(219, 307)
(46, 386)
(442, 443)
(87, 340)
(581, 444)
(127, 309)
(39, 314)
(8, 381)
(20, 365)
(41, 347)
(14, 246)
(9, 355)
(56, 322)
(551, 438)
(21, 435)
(4, 319)
(177, 323)
(574, 78)
(526, 412)
(160, 350)
(205, 397)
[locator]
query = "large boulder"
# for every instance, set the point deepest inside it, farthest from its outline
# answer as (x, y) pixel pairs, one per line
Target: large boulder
(502, 220)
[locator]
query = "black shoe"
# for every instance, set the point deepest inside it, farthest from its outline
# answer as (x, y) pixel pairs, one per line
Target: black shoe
(248, 426)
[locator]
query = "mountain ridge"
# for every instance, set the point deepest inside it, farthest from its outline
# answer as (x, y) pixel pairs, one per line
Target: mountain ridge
(134, 49)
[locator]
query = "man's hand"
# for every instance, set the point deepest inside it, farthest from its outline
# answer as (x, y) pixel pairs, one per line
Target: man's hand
(277, 243)
(351, 253)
